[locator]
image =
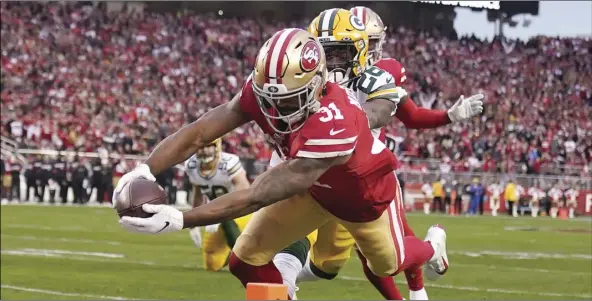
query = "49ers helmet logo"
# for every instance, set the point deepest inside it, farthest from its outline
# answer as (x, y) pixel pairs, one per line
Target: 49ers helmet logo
(310, 57)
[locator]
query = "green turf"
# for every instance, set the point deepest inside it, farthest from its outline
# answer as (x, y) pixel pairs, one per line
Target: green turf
(484, 264)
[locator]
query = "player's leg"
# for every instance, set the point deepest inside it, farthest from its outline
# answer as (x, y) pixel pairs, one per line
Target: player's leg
(435, 204)
(63, 191)
(382, 243)
(329, 254)
(217, 245)
(494, 205)
(270, 230)
(385, 285)
(534, 208)
(413, 275)
(291, 260)
(215, 250)
(232, 229)
(572, 208)
(426, 206)
(101, 189)
(6, 185)
(554, 208)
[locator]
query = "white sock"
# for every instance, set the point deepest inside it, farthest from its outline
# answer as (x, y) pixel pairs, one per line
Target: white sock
(554, 212)
(571, 213)
(289, 266)
(426, 208)
(306, 273)
(418, 295)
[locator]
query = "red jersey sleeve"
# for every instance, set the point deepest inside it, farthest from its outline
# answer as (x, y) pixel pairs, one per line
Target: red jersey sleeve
(248, 102)
(413, 117)
(330, 132)
(395, 68)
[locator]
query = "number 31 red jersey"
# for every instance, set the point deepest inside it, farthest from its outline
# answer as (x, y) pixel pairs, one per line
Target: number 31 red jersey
(361, 189)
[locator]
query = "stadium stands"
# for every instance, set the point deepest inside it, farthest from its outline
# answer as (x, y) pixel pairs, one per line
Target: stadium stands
(79, 78)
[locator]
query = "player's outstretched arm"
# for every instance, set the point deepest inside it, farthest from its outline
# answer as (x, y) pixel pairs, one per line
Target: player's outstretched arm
(414, 117)
(379, 112)
(179, 146)
(276, 184)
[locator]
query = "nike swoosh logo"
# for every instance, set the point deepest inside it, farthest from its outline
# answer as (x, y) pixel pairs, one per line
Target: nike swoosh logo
(333, 133)
(166, 224)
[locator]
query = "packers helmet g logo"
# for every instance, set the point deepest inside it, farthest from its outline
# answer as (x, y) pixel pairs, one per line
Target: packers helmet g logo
(356, 23)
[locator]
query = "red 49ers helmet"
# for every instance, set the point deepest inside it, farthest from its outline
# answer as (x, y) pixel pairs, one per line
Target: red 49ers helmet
(288, 79)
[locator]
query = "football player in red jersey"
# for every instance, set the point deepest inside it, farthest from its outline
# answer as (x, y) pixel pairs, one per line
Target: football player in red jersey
(334, 36)
(412, 117)
(335, 171)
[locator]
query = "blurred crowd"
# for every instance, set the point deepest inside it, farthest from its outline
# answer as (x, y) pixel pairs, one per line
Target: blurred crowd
(77, 77)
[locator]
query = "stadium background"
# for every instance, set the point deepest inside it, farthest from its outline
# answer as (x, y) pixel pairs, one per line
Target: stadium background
(96, 85)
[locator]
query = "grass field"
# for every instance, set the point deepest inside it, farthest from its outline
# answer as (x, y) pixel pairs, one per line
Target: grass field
(82, 253)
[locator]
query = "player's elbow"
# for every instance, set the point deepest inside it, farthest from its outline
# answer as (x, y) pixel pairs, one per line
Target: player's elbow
(379, 112)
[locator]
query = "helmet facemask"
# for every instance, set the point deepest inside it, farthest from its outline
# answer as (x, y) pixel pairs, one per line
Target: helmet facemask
(342, 60)
(286, 112)
(375, 48)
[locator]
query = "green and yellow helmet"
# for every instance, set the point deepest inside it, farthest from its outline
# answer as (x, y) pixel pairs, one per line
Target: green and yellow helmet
(345, 41)
(375, 29)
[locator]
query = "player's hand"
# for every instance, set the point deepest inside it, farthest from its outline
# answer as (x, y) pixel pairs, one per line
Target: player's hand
(165, 219)
(142, 171)
(466, 108)
(212, 228)
(195, 234)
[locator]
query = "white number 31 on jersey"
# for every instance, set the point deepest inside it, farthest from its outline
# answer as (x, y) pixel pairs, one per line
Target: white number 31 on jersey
(331, 112)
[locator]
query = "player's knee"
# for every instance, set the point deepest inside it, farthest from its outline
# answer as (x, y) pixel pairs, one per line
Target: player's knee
(330, 267)
(322, 272)
(247, 249)
(383, 265)
(235, 265)
(383, 270)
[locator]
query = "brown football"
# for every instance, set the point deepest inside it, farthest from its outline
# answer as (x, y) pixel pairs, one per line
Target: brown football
(137, 193)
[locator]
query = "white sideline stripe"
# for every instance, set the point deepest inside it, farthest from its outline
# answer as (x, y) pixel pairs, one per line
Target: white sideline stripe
(40, 227)
(522, 255)
(499, 290)
(58, 253)
(491, 267)
(519, 269)
(477, 289)
(42, 291)
(103, 259)
(61, 239)
(330, 141)
(417, 213)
